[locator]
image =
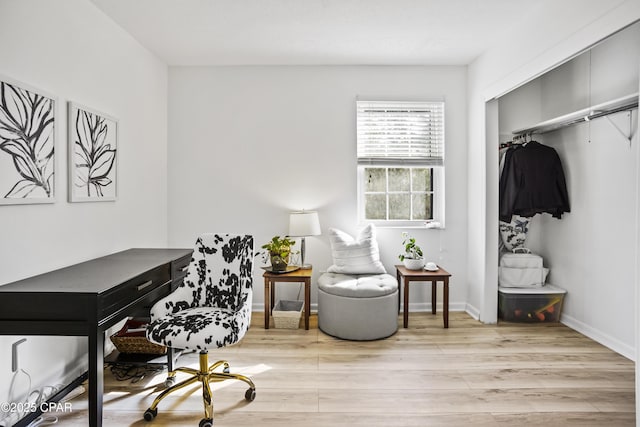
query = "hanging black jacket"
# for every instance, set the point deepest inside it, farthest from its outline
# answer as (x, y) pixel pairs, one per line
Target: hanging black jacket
(532, 182)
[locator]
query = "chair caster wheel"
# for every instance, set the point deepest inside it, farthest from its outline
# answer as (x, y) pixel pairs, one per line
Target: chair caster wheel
(250, 394)
(206, 422)
(170, 381)
(150, 414)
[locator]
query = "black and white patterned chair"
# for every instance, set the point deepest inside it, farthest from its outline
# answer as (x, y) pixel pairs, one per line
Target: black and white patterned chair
(210, 309)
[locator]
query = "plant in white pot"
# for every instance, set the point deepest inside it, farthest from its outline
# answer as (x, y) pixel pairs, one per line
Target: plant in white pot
(412, 258)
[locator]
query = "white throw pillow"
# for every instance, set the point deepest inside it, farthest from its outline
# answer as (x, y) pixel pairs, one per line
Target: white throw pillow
(355, 256)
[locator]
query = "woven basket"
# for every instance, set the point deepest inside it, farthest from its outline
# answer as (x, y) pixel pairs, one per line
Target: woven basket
(131, 339)
(286, 314)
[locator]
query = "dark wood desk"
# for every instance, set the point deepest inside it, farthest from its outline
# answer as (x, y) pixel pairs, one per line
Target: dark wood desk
(86, 299)
(298, 276)
(406, 275)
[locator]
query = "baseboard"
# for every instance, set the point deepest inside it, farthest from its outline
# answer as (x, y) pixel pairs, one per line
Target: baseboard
(426, 306)
(472, 311)
(413, 307)
(614, 344)
(259, 307)
(596, 335)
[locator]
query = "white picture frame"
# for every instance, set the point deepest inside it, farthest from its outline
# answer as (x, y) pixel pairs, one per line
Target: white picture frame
(93, 155)
(27, 144)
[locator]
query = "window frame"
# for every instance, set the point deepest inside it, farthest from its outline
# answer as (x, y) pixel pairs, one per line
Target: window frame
(437, 167)
(437, 220)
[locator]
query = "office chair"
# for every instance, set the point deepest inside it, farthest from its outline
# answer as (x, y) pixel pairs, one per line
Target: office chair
(210, 309)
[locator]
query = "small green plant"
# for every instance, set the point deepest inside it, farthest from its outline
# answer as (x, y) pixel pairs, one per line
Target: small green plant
(278, 251)
(411, 249)
(279, 246)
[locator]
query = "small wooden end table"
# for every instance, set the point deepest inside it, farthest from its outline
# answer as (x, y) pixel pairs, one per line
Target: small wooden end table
(298, 276)
(424, 276)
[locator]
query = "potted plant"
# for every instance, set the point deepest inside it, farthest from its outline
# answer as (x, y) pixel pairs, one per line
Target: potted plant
(412, 258)
(279, 250)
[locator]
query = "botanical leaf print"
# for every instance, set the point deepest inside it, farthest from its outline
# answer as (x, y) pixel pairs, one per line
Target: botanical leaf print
(94, 157)
(27, 135)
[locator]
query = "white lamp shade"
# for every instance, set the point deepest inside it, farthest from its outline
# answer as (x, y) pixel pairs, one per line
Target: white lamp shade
(304, 223)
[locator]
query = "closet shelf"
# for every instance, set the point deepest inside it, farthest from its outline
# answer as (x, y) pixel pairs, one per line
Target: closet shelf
(620, 104)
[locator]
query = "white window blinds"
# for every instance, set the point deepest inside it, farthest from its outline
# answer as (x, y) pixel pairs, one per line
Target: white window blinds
(391, 133)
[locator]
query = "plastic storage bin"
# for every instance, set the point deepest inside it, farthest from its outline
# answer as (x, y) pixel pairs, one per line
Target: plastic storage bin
(286, 314)
(542, 304)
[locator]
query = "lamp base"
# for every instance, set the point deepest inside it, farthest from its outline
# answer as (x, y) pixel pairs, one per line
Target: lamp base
(303, 265)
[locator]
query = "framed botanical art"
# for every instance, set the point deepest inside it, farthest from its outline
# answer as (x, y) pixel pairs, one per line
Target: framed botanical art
(27, 144)
(93, 155)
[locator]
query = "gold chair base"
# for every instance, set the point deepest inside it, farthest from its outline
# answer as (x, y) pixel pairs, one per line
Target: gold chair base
(205, 375)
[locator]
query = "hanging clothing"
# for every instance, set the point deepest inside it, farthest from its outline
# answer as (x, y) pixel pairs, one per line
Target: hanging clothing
(532, 182)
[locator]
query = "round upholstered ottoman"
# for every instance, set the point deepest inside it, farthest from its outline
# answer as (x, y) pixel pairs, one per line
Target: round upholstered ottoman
(358, 307)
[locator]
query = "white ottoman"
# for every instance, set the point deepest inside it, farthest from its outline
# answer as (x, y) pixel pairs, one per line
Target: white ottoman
(358, 307)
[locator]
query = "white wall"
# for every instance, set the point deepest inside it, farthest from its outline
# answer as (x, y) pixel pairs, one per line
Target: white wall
(230, 163)
(590, 251)
(249, 144)
(563, 29)
(637, 275)
(70, 49)
(571, 27)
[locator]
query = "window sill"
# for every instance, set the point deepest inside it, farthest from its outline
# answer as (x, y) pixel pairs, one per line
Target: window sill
(432, 225)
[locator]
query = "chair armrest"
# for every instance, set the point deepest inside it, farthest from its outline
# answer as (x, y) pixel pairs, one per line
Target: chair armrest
(182, 298)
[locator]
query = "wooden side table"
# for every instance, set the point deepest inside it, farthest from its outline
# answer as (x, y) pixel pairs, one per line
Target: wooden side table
(298, 276)
(424, 276)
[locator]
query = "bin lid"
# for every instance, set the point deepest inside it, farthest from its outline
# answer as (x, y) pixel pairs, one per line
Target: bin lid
(542, 290)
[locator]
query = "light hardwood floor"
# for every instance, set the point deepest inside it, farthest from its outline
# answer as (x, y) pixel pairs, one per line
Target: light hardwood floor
(468, 375)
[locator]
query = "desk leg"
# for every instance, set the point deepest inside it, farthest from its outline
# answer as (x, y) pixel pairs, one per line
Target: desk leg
(405, 309)
(307, 302)
(445, 303)
(434, 296)
(267, 298)
(96, 376)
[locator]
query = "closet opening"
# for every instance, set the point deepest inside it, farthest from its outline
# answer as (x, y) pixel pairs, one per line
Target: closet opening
(566, 151)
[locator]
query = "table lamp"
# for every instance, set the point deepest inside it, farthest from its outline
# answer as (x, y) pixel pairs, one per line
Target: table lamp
(302, 224)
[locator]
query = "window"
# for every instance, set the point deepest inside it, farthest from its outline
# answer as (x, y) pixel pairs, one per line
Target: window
(400, 162)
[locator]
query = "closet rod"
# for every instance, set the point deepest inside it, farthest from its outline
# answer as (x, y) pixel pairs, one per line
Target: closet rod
(624, 103)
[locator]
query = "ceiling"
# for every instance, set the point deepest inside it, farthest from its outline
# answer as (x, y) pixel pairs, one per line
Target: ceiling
(319, 32)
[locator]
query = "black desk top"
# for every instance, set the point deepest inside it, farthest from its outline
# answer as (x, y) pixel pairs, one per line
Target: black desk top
(97, 275)
(86, 299)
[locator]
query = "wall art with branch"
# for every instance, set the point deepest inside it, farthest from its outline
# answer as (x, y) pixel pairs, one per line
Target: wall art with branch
(93, 143)
(27, 143)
